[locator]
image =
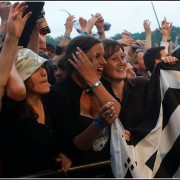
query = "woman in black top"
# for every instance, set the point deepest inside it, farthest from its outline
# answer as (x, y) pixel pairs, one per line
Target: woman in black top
(81, 108)
(131, 93)
(28, 139)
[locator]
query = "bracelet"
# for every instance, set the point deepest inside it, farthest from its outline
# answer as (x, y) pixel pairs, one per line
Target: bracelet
(67, 37)
(1, 45)
(84, 33)
(2, 37)
(100, 32)
(98, 124)
(95, 85)
(169, 40)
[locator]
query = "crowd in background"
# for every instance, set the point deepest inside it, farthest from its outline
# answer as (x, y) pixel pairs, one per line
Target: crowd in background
(58, 103)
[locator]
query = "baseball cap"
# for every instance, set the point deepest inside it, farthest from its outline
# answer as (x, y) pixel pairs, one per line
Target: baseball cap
(27, 62)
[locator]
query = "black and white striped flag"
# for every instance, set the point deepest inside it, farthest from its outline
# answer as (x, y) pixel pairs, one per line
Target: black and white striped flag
(154, 150)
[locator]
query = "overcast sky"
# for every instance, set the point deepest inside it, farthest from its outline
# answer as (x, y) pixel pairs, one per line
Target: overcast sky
(122, 15)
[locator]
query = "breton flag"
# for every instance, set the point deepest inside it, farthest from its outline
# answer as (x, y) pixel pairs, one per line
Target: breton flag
(154, 148)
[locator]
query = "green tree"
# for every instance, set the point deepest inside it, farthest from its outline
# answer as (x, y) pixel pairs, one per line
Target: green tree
(156, 36)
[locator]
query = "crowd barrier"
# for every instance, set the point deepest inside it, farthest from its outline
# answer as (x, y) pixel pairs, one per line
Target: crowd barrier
(94, 170)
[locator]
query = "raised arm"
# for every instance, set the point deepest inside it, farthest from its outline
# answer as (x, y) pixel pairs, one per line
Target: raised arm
(82, 22)
(15, 25)
(68, 29)
(147, 29)
(4, 13)
(34, 40)
(87, 70)
(65, 39)
(166, 28)
(90, 24)
(100, 27)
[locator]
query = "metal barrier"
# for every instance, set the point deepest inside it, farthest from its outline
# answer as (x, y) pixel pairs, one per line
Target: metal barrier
(94, 170)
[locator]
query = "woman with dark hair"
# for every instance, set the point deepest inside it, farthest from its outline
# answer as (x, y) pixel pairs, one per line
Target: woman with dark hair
(28, 139)
(82, 109)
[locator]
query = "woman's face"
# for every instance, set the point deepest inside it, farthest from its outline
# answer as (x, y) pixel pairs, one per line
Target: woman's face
(38, 82)
(115, 69)
(95, 55)
(130, 71)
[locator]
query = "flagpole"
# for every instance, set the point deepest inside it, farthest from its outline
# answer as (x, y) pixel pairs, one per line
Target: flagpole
(155, 15)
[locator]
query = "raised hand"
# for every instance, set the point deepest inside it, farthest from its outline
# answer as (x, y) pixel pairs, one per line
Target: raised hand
(4, 10)
(126, 35)
(125, 42)
(42, 41)
(146, 25)
(140, 42)
(83, 23)
(166, 28)
(107, 114)
(100, 23)
(16, 22)
(90, 24)
(4, 13)
(69, 24)
(84, 66)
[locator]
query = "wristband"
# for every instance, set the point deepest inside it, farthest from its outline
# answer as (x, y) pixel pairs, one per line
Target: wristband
(84, 33)
(169, 40)
(2, 37)
(1, 45)
(98, 124)
(100, 32)
(95, 85)
(67, 37)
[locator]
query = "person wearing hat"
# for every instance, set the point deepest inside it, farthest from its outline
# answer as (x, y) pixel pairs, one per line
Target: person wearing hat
(12, 25)
(29, 142)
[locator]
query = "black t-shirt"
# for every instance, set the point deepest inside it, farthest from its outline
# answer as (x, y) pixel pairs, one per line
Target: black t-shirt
(132, 104)
(26, 145)
(65, 112)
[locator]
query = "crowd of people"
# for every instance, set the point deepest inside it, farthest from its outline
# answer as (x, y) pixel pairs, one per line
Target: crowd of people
(57, 104)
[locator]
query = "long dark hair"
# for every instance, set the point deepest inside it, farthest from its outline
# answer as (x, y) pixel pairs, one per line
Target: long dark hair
(27, 110)
(83, 42)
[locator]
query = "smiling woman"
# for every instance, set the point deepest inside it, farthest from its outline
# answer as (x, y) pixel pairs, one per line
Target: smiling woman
(79, 104)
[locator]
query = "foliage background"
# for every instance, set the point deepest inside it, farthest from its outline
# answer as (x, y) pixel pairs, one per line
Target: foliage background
(156, 36)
